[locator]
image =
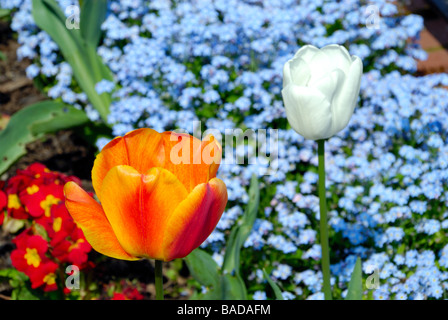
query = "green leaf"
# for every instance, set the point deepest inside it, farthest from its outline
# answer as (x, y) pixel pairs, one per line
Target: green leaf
(5, 13)
(49, 17)
(88, 68)
(93, 14)
(355, 285)
(228, 288)
(203, 268)
(234, 288)
(13, 274)
(274, 286)
(240, 232)
(31, 123)
(19, 282)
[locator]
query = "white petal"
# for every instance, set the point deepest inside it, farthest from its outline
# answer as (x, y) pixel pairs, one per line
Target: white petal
(329, 84)
(308, 112)
(300, 72)
(320, 66)
(306, 53)
(339, 56)
(287, 74)
(346, 98)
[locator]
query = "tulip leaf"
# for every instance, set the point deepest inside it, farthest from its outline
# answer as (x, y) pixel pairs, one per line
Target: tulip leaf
(233, 288)
(88, 68)
(50, 18)
(355, 285)
(240, 232)
(31, 123)
(277, 292)
(93, 14)
(228, 288)
(203, 268)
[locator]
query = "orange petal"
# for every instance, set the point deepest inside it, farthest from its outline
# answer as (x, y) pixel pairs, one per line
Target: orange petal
(191, 160)
(89, 216)
(194, 219)
(141, 149)
(138, 205)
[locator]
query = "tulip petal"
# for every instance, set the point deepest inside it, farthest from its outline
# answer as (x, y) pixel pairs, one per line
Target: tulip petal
(138, 205)
(308, 112)
(194, 219)
(140, 149)
(191, 160)
(329, 84)
(306, 53)
(320, 65)
(300, 72)
(89, 216)
(338, 55)
(345, 99)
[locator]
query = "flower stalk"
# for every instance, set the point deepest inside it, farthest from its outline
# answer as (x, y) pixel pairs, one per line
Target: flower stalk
(159, 280)
(323, 221)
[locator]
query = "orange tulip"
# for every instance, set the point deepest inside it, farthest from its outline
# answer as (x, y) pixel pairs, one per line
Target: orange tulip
(159, 194)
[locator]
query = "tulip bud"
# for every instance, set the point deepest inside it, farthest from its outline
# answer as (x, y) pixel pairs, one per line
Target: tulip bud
(320, 90)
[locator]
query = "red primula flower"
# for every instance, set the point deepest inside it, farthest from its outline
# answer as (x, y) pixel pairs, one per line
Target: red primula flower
(34, 190)
(36, 194)
(45, 276)
(40, 199)
(67, 240)
(127, 293)
(30, 252)
(3, 204)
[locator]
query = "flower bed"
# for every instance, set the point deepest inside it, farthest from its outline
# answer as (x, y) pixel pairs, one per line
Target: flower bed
(218, 64)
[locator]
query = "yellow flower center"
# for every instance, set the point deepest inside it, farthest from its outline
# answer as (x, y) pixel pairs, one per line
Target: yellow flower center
(50, 279)
(57, 223)
(32, 257)
(14, 202)
(75, 245)
(47, 203)
(32, 190)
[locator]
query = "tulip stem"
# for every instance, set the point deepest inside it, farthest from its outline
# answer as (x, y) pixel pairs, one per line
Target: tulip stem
(323, 221)
(159, 280)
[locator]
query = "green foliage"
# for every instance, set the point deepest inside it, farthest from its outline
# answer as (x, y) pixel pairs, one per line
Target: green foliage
(31, 123)
(226, 283)
(203, 268)
(78, 46)
(93, 13)
(274, 286)
(355, 285)
(21, 289)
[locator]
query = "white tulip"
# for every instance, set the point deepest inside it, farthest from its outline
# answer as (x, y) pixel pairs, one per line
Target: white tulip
(320, 90)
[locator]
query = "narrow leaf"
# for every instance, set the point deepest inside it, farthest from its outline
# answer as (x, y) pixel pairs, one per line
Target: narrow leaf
(355, 285)
(240, 233)
(87, 66)
(93, 14)
(274, 286)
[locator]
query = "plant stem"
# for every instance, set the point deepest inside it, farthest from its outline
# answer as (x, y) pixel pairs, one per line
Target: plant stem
(323, 221)
(159, 280)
